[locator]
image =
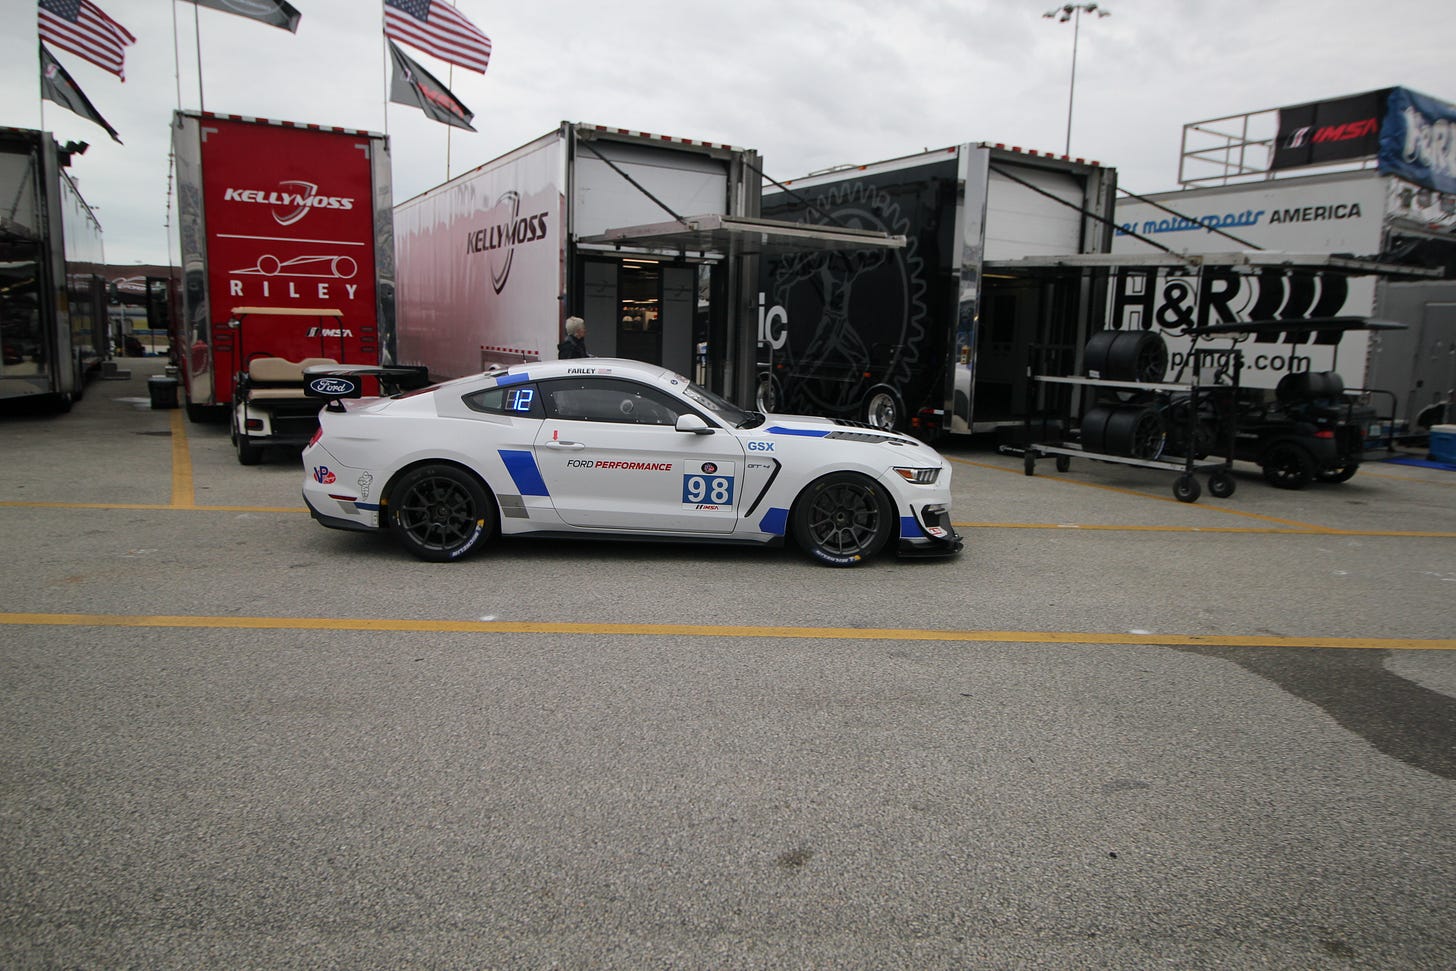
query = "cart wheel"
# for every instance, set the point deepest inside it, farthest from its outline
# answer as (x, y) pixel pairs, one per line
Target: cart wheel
(1064, 462)
(1221, 485)
(1029, 463)
(1185, 488)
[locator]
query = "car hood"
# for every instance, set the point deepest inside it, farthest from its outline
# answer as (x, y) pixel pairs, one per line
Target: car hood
(812, 426)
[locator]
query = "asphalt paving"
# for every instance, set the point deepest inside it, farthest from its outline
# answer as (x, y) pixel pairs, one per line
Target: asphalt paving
(1117, 731)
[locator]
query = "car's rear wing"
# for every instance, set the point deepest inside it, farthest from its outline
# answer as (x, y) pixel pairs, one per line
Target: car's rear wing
(335, 381)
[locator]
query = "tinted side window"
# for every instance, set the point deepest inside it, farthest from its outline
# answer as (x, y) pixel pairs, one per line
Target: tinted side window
(609, 400)
(515, 400)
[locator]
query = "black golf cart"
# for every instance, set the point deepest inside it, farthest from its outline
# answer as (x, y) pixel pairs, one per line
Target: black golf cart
(1310, 427)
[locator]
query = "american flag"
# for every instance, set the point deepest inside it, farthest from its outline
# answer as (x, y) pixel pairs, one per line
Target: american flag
(437, 28)
(81, 27)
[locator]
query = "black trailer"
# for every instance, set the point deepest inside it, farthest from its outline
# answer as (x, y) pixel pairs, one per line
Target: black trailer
(922, 338)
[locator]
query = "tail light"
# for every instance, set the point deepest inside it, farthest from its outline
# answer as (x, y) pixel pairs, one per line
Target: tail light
(316, 436)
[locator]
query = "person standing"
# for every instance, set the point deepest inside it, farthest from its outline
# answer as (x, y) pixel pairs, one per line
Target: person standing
(575, 343)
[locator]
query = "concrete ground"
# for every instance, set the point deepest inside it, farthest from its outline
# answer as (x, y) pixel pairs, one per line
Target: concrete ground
(1117, 731)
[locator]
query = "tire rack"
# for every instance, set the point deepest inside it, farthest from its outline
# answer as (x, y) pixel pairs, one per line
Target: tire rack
(1221, 483)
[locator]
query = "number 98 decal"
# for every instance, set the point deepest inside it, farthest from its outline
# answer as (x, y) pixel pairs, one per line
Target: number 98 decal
(710, 488)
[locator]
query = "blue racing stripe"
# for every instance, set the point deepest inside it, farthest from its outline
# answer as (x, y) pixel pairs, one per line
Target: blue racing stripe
(774, 522)
(806, 432)
(521, 464)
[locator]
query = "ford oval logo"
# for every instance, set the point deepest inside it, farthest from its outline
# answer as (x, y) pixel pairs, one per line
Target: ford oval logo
(331, 386)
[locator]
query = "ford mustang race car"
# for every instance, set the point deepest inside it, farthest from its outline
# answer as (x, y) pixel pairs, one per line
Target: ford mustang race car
(612, 448)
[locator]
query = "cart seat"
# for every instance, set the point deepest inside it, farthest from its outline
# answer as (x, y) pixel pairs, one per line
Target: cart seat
(277, 377)
(1310, 387)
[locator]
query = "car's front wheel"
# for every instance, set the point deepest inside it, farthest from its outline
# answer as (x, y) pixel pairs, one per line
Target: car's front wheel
(441, 513)
(842, 519)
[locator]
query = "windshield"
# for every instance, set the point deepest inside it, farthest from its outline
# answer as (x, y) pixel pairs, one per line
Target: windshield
(735, 416)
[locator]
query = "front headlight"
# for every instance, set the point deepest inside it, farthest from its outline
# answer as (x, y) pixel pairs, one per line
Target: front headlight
(919, 476)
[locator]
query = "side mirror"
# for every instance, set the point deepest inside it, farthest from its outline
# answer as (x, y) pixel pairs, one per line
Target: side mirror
(692, 423)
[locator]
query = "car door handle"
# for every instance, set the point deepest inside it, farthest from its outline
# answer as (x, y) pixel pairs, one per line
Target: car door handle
(570, 446)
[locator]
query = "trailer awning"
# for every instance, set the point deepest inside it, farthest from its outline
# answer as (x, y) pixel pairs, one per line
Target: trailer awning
(1252, 261)
(716, 234)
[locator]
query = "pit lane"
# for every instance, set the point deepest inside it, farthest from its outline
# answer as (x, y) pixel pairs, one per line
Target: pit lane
(1117, 728)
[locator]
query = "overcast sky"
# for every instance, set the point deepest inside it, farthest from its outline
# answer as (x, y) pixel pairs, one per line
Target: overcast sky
(808, 85)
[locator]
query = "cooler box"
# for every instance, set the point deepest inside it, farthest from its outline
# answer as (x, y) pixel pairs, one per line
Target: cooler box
(1443, 444)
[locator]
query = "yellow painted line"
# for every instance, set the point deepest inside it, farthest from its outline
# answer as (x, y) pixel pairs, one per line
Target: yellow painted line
(183, 496)
(1261, 530)
(716, 630)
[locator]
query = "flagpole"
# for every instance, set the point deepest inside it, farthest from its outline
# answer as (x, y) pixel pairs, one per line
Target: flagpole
(197, 40)
(449, 129)
(388, 71)
(40, 86)
(176, 59)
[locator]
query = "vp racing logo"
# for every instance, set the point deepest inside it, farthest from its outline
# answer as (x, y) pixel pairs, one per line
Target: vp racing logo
(506, 230)
(291, 201)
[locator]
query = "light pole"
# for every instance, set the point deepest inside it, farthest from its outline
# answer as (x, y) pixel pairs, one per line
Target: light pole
(1073, 12)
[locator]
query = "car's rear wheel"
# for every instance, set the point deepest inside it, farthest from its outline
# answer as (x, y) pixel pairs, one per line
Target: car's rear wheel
(842, 519)
(441, 513)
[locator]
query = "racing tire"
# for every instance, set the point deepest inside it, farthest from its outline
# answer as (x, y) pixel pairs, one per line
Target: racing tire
(1287, 466)
(882, 409)
(1094, 429)
(1137, 432)
(441, 513)
(843, 519)
(1221, 485)
(1126, 355)
(1343, 474)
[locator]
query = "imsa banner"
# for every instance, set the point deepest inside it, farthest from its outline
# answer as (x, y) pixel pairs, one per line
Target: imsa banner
(1322, 132)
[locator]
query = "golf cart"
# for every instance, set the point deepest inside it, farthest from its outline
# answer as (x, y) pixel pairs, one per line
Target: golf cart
(1310, 427)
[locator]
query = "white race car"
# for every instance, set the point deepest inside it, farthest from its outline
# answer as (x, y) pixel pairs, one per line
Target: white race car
(613, 448)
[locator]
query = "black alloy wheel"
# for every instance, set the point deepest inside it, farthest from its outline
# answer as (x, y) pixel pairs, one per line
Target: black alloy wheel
(842, 519)
(441, 513)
